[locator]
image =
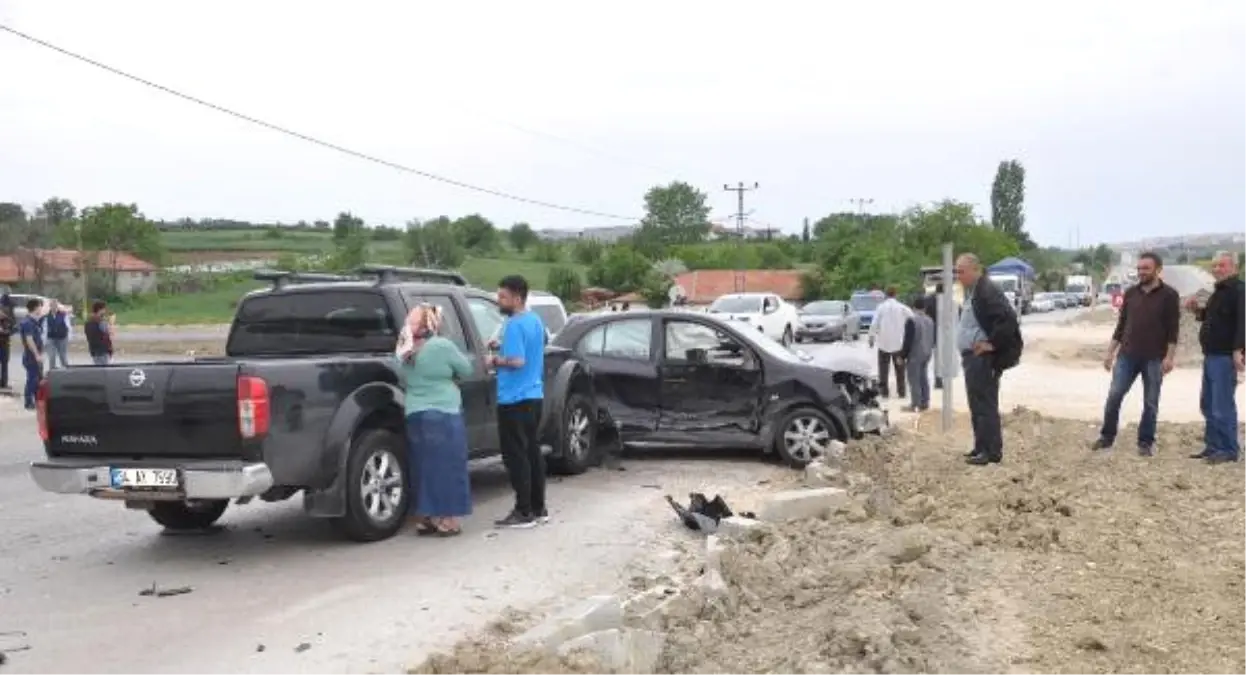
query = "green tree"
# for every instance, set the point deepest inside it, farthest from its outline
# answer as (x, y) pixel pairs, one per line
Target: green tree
(804, 233)
(656, 289)
(476, 233)
(548, 251)
(621, 269)
(587, 251)
(521, 236)
(345, 225)
(565, 283)
(115, 228)
(434, 244)
(1008, 201)
(59, 214)
(350, 253)
(674, 214)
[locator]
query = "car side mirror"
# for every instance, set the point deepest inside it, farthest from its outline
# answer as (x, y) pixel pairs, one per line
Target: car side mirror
(769, 308)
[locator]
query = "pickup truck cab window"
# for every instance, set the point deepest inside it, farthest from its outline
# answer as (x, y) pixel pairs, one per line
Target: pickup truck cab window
(327, 321)
(451, 327)
(487, 317)
(626, 339)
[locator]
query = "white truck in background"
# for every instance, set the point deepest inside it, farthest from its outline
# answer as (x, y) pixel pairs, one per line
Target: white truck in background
(1081, 285)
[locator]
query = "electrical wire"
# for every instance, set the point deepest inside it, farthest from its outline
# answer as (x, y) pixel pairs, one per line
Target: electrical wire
(311, 139)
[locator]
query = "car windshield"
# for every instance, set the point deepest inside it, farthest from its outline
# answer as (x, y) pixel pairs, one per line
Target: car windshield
(551, 316)
(1006, 284)
(824, 308)
(737, 304)
(866, 302)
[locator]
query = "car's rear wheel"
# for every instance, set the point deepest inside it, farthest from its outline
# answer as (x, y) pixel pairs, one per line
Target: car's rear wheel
(577, 437)
(377, 495)
(198, 514)
(804, 435)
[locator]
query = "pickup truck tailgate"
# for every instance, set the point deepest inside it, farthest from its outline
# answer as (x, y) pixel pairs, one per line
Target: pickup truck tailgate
(145, 410)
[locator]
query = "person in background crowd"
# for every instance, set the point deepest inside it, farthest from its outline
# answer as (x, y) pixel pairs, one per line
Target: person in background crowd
(887, 330)
(436, 435)
(32, 349)
(59, 323)
(8, 324)
(932, 311)
(988, 337)
(1224, 356)
(1144, 343)
(520, 364)
(918, 348)
(98, 331)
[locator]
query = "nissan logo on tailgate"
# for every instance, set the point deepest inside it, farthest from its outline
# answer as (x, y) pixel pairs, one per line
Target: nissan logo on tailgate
(137, 377)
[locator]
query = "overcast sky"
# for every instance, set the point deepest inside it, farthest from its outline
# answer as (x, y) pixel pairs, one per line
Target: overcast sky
(1130, 117)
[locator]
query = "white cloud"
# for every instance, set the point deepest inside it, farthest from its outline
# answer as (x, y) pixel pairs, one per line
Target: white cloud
(1128, 116)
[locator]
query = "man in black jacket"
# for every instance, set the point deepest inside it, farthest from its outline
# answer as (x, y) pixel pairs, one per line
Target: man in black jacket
(988, 338)
(1224, 356)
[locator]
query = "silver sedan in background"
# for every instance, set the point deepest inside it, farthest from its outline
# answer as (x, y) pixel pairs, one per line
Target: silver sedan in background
(828, 320)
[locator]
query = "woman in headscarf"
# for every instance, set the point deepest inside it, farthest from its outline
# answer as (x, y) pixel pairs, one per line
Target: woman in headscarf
(436, 435)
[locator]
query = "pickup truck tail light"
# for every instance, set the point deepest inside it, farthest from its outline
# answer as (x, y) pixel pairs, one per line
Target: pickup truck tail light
(41, 410)
(253, 407)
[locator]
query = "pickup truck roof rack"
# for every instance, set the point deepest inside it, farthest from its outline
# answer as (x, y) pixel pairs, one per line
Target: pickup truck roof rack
(385, 274)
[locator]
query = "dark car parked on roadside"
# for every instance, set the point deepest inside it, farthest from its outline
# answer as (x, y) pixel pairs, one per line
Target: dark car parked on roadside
(307, 399)
(668, 378)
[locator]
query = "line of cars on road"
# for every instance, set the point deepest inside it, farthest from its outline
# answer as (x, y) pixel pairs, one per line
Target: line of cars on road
(1055, 300)
(308, 400)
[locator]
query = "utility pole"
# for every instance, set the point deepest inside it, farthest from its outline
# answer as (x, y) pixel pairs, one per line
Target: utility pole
(739, 190)
(861, 203)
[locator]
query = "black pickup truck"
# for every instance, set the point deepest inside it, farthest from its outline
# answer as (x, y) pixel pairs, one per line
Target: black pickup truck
(307, 399)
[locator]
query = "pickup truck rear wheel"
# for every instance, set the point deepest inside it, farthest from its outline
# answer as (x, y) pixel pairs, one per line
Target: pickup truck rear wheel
(195, 515)
(376, 486)
(577, 437)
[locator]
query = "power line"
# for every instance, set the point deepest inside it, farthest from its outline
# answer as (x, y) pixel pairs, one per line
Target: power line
(310, 139)
(740, 277)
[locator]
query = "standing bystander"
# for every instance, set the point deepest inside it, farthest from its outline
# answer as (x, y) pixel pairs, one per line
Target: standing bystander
(887, 333)
(8, 324)
(32, 349)
(988, 338)
(919, 346)
(1144, 343)
(98, 331)
(520, 364)
(1221, 337)
(59, 325)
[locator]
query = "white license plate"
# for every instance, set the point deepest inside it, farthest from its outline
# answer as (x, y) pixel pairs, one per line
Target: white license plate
(144, 478)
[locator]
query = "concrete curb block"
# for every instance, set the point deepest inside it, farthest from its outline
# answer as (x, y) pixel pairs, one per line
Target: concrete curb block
(620, 650)
(737, 527)
(782, 507)
(597, 613)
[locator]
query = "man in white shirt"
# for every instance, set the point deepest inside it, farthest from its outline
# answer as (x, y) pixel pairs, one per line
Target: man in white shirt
(887, 333)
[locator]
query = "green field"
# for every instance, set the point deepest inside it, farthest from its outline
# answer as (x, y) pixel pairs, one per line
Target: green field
(292, 241)
(217, 305)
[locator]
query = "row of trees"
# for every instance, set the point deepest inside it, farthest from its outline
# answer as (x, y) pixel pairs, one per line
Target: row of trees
(58, 223)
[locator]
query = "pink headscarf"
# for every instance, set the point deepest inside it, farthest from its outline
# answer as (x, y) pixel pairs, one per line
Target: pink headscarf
(423, 322)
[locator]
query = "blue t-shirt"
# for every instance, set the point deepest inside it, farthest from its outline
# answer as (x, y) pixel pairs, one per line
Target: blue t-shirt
(523, 337)
(30, 329)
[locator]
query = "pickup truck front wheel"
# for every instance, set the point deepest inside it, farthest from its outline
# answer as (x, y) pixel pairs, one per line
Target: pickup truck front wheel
(195, 515)
(577, 437)
(376, 486)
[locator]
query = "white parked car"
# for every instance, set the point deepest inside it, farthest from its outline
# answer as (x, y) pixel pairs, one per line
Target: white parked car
(767, 311)
(1043, 302)
(550, 308)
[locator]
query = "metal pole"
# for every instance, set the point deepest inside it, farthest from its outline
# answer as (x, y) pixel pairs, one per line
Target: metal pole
(947, 336)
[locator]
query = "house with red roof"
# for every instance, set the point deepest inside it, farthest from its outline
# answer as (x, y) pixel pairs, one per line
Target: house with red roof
(60, 269)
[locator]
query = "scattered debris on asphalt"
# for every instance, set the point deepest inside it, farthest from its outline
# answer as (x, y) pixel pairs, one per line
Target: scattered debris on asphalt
(158, 592)
(303, 646)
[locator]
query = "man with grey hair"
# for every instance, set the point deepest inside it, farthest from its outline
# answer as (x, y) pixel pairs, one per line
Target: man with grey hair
(1221, 337)
(988, 337)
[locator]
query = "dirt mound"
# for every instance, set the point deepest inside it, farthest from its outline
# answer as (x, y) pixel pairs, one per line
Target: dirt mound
(1058, 560)
(1189, 352)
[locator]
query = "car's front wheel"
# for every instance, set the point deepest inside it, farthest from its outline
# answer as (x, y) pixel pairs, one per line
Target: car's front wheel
(577, 437)
(376, 486)
(197, 514)
(804, 435)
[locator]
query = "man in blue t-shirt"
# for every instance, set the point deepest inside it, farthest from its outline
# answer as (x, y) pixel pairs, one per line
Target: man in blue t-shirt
(31, 333)
(520, 364)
